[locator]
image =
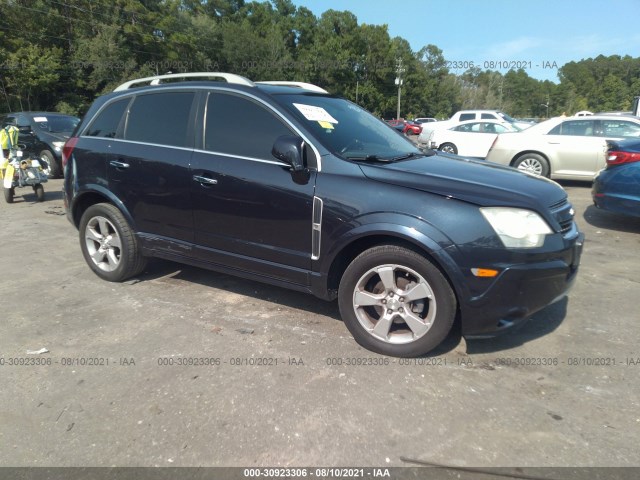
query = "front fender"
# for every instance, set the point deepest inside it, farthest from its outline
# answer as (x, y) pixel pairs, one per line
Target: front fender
(426, 239)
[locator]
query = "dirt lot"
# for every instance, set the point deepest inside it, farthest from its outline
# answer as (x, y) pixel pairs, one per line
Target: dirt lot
(278, 381)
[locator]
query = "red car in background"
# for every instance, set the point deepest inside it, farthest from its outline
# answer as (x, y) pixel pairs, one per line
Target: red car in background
(406, 127)
(412, 128)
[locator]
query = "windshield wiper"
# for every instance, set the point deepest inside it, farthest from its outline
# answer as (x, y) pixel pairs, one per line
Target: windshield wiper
(406, 156)
(370, 158)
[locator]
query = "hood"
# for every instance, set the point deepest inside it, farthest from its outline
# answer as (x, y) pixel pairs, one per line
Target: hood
(474, 181)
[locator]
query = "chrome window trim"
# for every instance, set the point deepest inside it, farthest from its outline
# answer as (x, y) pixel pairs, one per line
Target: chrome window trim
(147, 90)
(187, 149)
(230, 155)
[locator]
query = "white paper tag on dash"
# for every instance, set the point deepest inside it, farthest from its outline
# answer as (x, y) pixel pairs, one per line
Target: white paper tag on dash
(39, 119)
(315, 114)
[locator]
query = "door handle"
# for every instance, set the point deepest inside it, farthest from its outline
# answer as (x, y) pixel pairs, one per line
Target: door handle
(116, 164)
(205, 180)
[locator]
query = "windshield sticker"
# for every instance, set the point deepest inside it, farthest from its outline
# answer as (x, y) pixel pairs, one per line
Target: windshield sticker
(39, 119)
(326, 125)
(315, 114)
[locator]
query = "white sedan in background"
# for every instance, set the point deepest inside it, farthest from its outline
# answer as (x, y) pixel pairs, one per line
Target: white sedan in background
(471, 138)
(572, 148)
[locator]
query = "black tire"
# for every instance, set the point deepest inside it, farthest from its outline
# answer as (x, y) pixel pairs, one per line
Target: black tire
(39, 191)
(532, 163)
(98, 224)
(449, 148)
(8, 194)
(410, 272)
(55, 170)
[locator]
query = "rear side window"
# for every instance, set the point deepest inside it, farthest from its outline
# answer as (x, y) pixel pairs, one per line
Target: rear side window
(240, 127)
(499, 129)
(160, 118)
(106, 123)
(467, 116)
(468, 127)
(620, 128)
(580, 128)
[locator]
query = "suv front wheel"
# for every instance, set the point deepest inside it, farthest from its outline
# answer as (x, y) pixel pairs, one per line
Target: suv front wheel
(396, 302)
(108, 243)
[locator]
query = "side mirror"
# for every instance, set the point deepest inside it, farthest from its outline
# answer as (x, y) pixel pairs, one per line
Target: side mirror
(25, 130)
(290, 150)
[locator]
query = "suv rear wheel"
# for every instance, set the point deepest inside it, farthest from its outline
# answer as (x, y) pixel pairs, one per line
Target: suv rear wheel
(109, 244)
(396, 302)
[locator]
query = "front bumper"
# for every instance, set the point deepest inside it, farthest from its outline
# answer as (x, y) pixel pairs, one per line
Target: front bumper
(519, 292)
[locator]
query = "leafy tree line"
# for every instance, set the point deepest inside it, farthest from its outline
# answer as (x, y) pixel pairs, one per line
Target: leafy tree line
(60, 54)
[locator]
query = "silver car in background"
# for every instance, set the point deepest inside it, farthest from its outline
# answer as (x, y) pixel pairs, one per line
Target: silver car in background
(572, 148)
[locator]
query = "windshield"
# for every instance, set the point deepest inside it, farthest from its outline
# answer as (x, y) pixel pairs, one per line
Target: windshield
(348, 130)
(56, 123)
(506, 117)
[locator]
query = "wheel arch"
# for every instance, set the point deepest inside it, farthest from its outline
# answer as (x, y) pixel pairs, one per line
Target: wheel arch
(86, 199)
(420, 244)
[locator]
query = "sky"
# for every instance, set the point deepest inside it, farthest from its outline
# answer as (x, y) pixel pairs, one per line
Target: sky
(537, 35)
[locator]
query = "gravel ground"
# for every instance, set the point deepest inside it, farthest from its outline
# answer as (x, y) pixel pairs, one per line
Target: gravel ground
(185, 367)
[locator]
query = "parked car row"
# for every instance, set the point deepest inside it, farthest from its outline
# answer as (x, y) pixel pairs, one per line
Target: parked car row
(570, 148)
(582, 147)
(43, 134)
(471, 138)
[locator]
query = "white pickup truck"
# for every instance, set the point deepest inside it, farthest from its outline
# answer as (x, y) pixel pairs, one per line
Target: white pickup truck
(464, 115)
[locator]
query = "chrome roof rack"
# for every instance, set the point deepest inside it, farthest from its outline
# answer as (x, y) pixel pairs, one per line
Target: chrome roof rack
(306, 86)
(157, 80)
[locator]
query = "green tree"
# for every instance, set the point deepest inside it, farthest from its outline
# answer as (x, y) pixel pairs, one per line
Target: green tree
(34, 75)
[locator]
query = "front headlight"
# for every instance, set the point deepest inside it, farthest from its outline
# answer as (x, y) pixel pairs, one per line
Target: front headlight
(58, 145)
(516, 227)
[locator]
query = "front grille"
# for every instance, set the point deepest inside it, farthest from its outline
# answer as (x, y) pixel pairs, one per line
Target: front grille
(565, 227)
(562, 211)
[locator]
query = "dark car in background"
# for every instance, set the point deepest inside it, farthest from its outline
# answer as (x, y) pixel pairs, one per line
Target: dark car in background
(616, 188)
(43, 134)
(324, 199)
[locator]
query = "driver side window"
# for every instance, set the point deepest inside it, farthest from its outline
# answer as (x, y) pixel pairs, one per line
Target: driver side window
(240, 127)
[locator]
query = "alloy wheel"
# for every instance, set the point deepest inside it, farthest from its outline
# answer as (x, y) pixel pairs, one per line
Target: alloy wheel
(103, 243)
(394, 304)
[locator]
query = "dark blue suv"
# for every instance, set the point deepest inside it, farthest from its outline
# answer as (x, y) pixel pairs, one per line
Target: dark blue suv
(284, 183)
